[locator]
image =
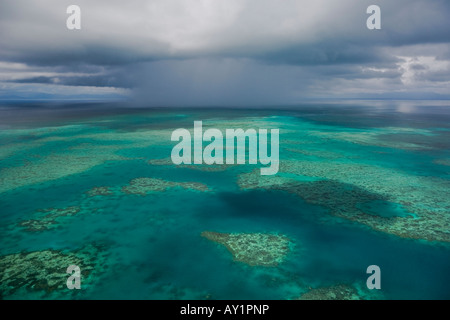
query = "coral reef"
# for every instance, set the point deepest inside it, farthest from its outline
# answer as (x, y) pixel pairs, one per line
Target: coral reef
(50, 220)
(201, 167)
(341, 187)
(389, 137)
(317, 153)
(254, 249)
(55, 166)
(337, 292)
(45, 270)
(160, 162)
(143, 186)
(102, 146)
(99, 191)
(340, 292)
(443, 162)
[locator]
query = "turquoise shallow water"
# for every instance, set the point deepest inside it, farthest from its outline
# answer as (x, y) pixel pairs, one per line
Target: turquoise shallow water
(361, 185)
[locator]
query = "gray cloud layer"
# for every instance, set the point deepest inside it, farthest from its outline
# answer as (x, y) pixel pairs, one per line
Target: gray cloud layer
(212, 52)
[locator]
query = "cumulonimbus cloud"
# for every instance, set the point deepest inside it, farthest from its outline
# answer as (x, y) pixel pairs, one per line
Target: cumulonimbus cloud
(236, 51)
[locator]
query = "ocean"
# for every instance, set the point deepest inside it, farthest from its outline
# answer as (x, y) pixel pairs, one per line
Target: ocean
(360, 183)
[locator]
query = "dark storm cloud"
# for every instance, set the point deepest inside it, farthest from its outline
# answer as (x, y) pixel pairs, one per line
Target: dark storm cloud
(434, 76)
(91, 55)
(90, 81)
(330, 53)
(355, 72)
(233, 52)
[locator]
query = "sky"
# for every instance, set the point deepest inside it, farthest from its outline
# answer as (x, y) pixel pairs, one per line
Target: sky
(216, 52)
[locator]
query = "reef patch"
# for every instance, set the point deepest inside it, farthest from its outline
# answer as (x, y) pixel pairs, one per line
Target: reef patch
(339, 292)
(45, 270)
(143, 186)
(50, 220)
(254, 249)
(200, 167)
(343, 187)
(99, 191)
